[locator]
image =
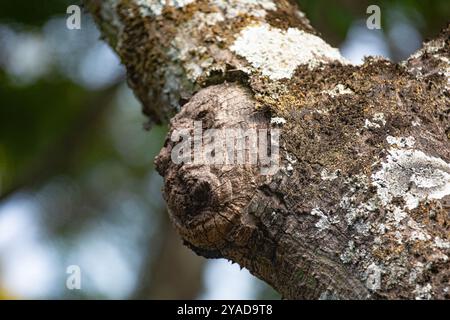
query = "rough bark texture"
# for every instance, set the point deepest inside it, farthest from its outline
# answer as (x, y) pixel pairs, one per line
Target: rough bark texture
(360, 204)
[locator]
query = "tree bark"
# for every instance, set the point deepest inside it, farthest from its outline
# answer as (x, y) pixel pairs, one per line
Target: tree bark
(358, 206)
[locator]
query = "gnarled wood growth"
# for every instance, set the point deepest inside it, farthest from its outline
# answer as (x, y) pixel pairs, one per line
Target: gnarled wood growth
(359, 205)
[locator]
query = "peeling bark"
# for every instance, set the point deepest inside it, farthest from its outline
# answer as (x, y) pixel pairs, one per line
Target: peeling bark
(360, 204)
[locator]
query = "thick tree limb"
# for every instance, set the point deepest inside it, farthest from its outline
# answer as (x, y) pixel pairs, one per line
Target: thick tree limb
(359, 207)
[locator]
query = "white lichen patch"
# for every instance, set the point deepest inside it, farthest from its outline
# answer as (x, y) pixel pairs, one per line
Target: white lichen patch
(431, 49)
(348, 254)
(354, 208)
(324, 222)
(289, 168)
(398, 215)
(353, 254)
(277, 53)
(184, 48)
(255, 8)
(155, 7)
(277, 121)
(441, 244)
(328, 176)
(401, 142)
(417, 235)
(379, 117)
(339, 90)
(373, 280)
(404, 228)
(369, 124)
(417, 231)
(290, 158)
(446, 69)
(413, 176)
(423, 292)
(377, 121)
(201, 20)
(416, 272)
(416, 123)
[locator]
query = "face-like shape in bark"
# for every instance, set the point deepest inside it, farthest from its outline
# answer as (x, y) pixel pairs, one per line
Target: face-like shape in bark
(206, 200)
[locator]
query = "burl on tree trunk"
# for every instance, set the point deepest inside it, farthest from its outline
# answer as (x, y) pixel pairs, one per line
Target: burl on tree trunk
(359, 205)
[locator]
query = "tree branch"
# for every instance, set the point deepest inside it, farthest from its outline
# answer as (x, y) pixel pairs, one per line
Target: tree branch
(358, 206)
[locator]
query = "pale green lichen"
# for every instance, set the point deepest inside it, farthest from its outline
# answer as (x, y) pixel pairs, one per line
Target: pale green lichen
(376, 122)
(411, 175)
(277, 53)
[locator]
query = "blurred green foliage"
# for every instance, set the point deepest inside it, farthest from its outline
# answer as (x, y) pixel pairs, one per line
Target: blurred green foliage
(32, 12)
(333, 18)
(31, 118)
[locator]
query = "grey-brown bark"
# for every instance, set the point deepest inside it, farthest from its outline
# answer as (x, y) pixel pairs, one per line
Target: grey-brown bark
(359, 204)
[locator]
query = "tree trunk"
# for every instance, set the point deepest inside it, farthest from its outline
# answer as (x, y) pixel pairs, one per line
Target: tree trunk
(358, 203)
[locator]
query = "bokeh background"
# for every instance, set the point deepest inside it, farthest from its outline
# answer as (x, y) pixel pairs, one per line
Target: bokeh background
(77, 183)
